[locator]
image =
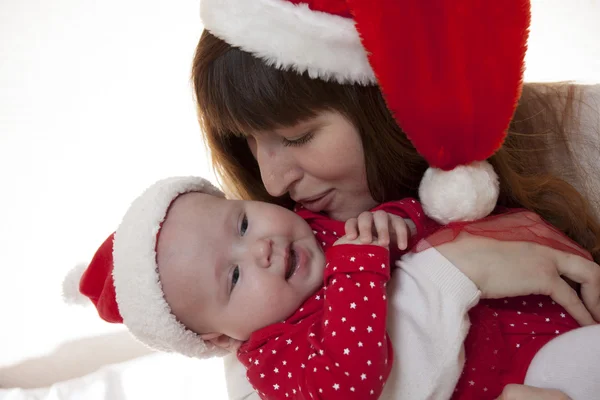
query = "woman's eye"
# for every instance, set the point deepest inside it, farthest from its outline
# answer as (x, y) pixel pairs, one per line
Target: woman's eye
(298, 142)
(244, 225)
(235, 276)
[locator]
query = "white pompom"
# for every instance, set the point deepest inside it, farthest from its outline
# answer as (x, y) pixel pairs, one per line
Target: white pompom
(70, 286)
(466, 193)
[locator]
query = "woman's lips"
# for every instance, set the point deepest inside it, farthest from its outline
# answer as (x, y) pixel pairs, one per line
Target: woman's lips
(318, 204)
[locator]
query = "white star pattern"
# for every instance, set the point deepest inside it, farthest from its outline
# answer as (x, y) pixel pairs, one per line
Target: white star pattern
(352, 259)
(327, 336)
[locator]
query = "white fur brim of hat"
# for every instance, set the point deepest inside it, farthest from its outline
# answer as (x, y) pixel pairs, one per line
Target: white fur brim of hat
(290, 36)
(138, 290)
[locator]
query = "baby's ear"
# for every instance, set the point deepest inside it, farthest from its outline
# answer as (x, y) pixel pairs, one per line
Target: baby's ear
(223, 341)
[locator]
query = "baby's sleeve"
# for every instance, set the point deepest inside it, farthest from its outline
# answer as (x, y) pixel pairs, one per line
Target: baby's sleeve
(351, 354)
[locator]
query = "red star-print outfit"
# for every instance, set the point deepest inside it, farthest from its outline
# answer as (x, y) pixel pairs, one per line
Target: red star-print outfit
(335, 346)
(505, 334)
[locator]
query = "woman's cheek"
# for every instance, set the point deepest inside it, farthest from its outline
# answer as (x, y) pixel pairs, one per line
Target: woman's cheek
(252, 145)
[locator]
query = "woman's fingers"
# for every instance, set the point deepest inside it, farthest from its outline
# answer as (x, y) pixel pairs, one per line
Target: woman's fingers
(562, 293)
(585, 272)
(523, 392)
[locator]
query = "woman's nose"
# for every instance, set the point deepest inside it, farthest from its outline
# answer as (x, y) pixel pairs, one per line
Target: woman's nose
(278, 170)
(261, 252)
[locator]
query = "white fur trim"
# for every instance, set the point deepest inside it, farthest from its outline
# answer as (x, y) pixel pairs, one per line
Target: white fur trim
(137, 283)
(70, 287)
(466, 193)
(290, 36)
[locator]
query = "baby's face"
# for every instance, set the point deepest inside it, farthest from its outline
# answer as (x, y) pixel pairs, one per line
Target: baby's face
(233, 267)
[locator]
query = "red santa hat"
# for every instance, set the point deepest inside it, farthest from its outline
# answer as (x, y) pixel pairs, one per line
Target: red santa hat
(450, 71)
(122, 280)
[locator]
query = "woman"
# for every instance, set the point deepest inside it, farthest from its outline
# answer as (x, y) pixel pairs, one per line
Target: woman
(269, 137)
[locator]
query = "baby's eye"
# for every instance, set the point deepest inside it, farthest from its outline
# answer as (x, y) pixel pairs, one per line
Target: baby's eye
(235, 276)
(244, 225)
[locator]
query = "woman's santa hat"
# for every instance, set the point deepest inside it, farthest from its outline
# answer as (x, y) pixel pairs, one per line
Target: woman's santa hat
(450, 71)
(122, 280)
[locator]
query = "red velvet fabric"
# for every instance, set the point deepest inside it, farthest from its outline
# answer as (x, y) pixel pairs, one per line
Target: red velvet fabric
(335, 7)
(97, 283)
(450, 70)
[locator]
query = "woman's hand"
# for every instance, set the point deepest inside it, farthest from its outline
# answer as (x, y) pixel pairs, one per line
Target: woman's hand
(522, 392)
(510, 269)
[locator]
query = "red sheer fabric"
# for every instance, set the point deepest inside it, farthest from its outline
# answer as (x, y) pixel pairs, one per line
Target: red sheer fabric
(517, 225)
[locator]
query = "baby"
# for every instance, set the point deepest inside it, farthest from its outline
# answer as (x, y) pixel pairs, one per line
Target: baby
(192, 272)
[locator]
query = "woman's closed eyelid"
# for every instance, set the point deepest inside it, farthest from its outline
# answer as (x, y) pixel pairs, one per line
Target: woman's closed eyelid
(298, 141)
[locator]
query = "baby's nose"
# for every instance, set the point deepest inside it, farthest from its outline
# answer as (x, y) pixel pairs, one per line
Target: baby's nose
(262, 252)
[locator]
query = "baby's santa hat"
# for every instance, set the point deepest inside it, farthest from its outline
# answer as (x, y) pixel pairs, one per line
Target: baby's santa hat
(450, 70)
(122, 280)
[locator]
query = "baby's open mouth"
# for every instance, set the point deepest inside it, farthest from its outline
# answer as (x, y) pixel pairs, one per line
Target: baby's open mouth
(292, 264)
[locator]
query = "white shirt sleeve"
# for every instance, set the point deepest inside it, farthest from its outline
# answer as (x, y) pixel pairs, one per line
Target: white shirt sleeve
(427, 322)
(428, 301)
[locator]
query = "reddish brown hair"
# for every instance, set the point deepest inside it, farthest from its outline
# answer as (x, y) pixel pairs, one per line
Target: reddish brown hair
(237, 93)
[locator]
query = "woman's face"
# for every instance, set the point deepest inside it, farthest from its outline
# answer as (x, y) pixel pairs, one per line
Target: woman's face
(320, 162)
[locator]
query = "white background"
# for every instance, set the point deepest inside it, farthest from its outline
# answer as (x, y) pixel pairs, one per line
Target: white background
(95, 105)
